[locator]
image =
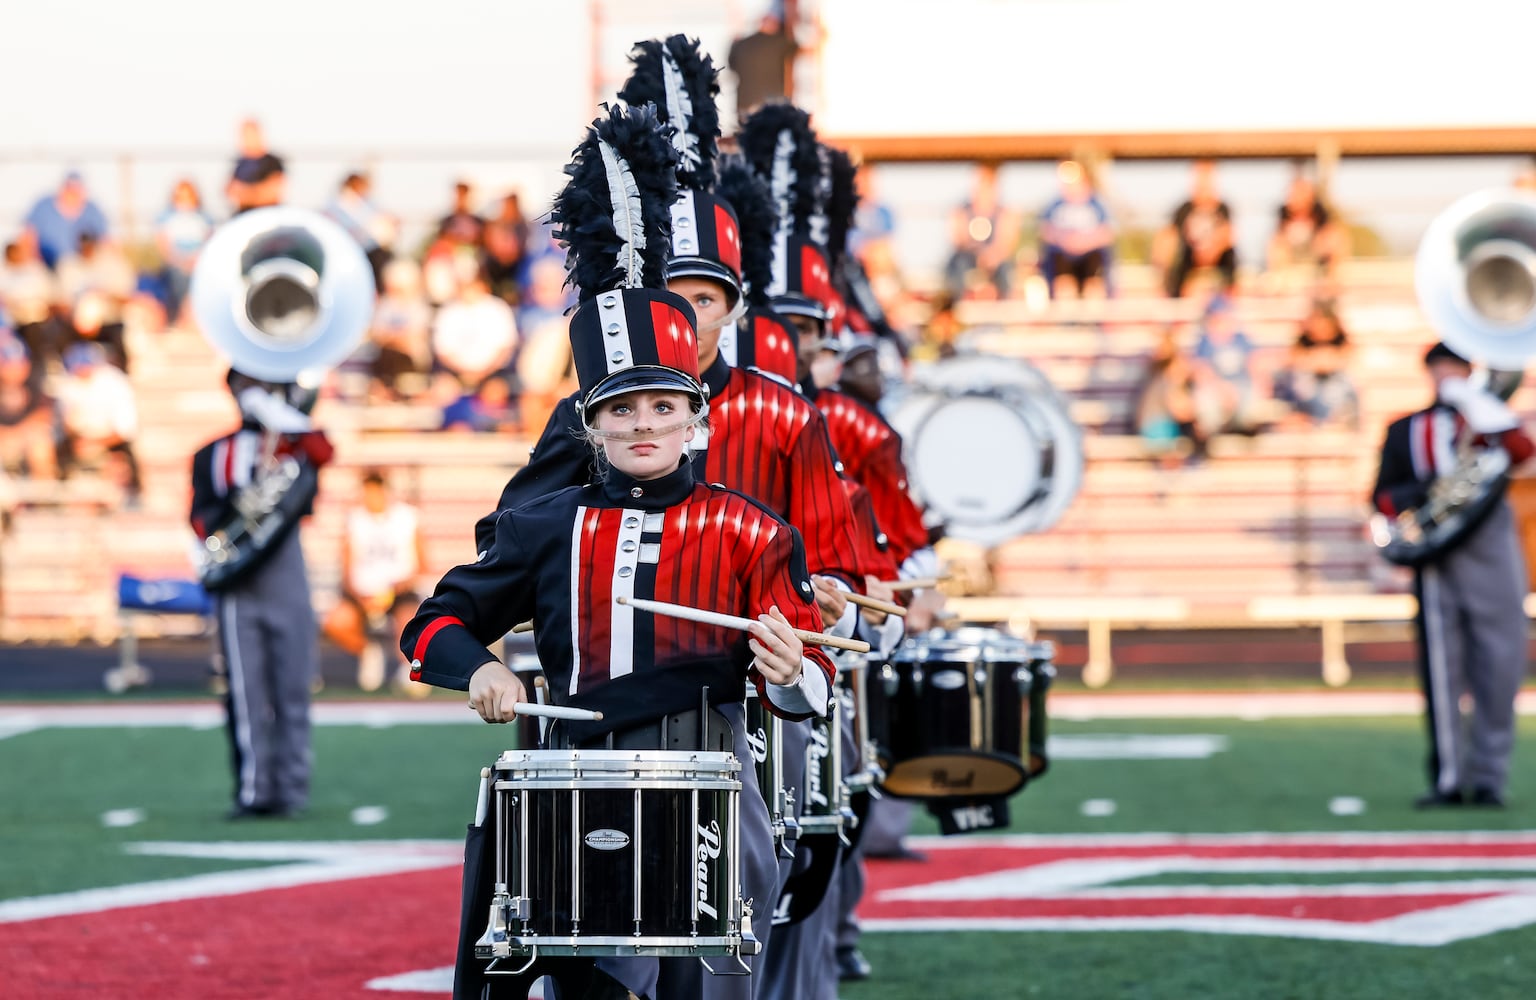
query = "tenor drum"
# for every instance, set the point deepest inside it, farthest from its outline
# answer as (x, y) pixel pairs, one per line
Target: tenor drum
(961, 714)
(616, 853)
(990, 446)
(765, 737)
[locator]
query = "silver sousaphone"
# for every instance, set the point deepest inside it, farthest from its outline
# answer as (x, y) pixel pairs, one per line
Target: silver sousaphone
(284, 294)
(1475, 275)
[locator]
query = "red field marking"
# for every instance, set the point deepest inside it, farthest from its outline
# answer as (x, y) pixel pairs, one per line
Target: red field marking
(324, 940)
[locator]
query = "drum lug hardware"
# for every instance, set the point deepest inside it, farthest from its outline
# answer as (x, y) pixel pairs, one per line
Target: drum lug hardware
(917, 678)
(494, 942)
(1022, 678)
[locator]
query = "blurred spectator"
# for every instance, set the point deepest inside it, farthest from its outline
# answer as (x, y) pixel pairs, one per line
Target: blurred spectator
(1306, 233)
(353, 209)
(544, 370)
(874, 220)
(180, 232)
(1200, 235)
(490, 408)
(92, 324)
(28, 418)
(60, 219)
(258, 178)
(474, 335)
(28, 291)
(506, 249)
(1076, 237)
(399, 341)
(762, 63)
(1227, 379)
(984, 237)
(1314, 383)
(100, 418)
(462, 226)
(100, 272)
(1165, 403)
(382, 553)
(1525, 179)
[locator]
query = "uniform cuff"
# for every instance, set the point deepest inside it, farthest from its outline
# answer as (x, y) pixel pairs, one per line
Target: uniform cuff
(807, 695)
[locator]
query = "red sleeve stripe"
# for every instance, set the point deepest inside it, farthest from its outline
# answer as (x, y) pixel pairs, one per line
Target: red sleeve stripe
(419, 654)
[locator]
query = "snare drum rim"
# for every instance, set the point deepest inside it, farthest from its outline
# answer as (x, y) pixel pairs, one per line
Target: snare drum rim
(685, 764)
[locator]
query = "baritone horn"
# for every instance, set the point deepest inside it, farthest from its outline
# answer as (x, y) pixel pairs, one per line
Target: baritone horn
(284, 293)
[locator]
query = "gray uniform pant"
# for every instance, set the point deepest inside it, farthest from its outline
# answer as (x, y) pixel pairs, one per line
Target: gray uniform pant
(1473, 636)
(269, 640)
(802, 964)
(685, 978)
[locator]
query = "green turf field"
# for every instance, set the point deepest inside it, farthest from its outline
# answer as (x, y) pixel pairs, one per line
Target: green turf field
(1274, 776)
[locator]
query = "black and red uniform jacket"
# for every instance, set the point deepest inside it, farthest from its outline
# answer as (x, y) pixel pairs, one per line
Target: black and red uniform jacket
(1421, 447)
(561, 560)
(764, 440)
(870, 450)
(221, 468)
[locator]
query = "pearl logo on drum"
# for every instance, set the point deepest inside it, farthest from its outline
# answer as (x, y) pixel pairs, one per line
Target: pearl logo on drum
(948, 680)
(815, 752)
(757, 742)
(709, 851)
(607, 840)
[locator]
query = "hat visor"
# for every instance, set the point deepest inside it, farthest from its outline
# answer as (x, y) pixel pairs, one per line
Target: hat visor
(793, 304)
(710, 270)
(641, 378)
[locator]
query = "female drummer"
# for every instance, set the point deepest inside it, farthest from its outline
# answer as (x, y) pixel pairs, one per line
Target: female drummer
(646, 529)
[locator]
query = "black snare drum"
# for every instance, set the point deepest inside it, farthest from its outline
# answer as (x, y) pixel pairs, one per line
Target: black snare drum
(765, 737)
(617, 853)
(826, 809)
(961, 714)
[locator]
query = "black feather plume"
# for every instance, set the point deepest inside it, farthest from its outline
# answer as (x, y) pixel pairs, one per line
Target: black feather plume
(688, 104)
(614, 215)
(748, 194)
(842, 203)
(798, 200)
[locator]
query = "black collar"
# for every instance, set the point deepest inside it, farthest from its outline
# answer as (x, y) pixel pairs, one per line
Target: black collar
(807, 387)
(716, 376)
(649, 494)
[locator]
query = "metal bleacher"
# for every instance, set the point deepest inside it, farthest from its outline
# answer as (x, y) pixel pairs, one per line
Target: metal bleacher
(1277, 519)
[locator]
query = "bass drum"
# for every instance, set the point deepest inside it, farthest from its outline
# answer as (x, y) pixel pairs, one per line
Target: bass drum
(990, 446)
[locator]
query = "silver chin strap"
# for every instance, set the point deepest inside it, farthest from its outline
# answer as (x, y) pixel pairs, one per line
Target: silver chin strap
(737, 312)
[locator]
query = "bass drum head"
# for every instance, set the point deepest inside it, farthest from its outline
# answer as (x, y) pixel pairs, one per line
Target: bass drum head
(976, 461)
(990, 446)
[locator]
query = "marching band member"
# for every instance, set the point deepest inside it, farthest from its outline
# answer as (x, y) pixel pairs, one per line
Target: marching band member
(763, 439)
(267, 631)
(1471, 623)
(646, 526)
(762, 340)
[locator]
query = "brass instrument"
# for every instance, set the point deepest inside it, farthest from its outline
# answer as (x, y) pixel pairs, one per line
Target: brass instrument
(1475, 275)
(285, 294)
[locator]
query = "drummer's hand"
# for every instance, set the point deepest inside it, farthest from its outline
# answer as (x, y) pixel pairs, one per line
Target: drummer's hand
(493, 690)
(830, 599)
(777, 648)
(880, 591)
(921, 613)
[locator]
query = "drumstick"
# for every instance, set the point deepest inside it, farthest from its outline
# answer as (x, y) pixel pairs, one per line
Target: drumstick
(875, 604)
(556, 712)
(921, 583)
(732, 621)
(522, 627)
(540, 695)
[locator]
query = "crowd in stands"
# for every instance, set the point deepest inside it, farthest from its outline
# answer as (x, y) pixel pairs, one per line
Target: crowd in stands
(463, 325)
(470, 327)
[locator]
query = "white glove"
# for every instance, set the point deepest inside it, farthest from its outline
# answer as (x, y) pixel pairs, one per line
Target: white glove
(1484, 412)
(271, 412)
